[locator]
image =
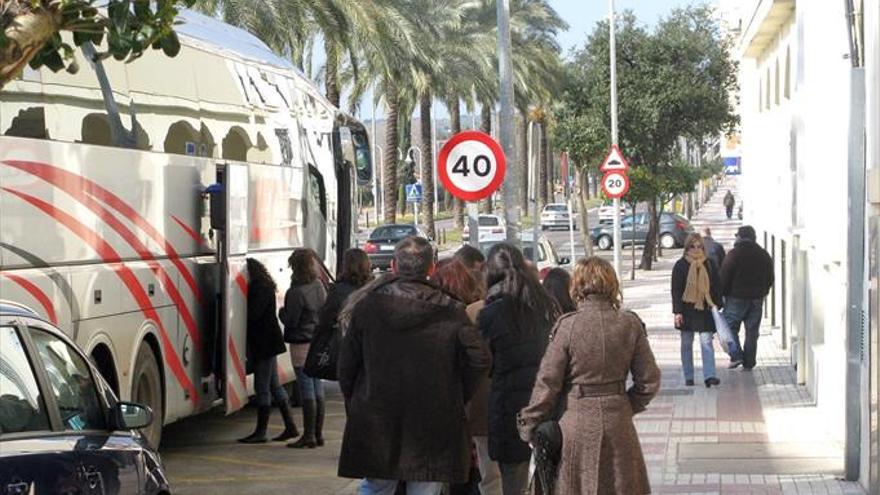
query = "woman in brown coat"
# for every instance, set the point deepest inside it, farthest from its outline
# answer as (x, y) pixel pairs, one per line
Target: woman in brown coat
(583, 376)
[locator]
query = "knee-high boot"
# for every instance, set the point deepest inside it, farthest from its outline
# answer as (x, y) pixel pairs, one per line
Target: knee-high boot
(290, 430)
(259, 435)
(319, 421)
(307, 440)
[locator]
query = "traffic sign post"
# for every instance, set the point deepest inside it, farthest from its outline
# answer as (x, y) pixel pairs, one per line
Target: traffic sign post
(471, 166)
(414, 196)
(614, 161)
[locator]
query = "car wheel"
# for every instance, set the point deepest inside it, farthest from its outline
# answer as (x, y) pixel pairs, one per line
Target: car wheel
(146, 389)
(604, 243)
(667, 241)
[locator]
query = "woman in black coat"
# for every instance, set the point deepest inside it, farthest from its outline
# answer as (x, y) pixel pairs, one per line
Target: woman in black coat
(696, 289)
(264, 344)
(515, 323)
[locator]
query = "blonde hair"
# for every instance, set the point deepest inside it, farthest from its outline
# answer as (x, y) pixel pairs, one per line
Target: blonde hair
(690, 239)
(595, 276)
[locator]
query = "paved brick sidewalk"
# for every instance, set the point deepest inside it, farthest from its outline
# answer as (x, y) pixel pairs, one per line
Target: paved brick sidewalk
(755, 433)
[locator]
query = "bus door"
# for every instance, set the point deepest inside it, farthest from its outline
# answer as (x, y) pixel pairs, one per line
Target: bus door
(229, 208)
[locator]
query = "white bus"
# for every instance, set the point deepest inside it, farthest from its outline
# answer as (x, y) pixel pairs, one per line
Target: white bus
(136, 250)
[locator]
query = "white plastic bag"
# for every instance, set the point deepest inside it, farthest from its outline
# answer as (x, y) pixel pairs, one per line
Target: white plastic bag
(725, 336)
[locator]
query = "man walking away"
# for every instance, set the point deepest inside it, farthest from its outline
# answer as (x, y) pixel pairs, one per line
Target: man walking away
(729, 202)
(714, 251)
(746, 278)
(409, 361)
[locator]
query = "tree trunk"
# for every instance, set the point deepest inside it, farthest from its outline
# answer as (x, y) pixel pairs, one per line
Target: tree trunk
(331, 74)
(582, 206)
(542, 167)
(651, 239)
(390, 185)
(523, 154)
(486, 126)
(427, 162)
(453, 104)
(26, 33)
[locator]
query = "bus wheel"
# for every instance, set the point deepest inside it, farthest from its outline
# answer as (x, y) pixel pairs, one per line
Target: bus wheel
(146, 389)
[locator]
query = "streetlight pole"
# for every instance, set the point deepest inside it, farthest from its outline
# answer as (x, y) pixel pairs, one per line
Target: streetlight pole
(511, 179)
(616, 203)
(434, 154)
(373, 158)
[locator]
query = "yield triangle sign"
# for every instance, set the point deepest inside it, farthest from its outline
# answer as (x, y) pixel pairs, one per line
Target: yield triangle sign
(614, 161)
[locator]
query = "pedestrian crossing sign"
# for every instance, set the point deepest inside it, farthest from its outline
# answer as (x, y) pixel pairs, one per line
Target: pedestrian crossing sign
(413, 193)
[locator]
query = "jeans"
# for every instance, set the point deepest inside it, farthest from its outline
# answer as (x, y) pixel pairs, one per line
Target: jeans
(514, 477)
(687, 354)
(490, 475)
(309, 388)
(370, 486)
(746, 311)
(266, 383)
(729, 211)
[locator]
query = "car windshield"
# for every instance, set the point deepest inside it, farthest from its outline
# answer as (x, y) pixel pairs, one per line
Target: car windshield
(555, 208)
(489, 222)
(393, 232)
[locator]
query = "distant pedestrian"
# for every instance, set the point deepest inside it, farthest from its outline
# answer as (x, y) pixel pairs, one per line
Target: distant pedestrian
(714, 251)
(454, 277)
(558, 285)
(516, 323)
(746, 279)
(264, 344)
(729, 203)
(409, 361)
(302, 302)
(582, 382)
(696, 289)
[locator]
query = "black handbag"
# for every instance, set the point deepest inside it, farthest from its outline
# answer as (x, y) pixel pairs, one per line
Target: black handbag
(548, 453)
(323, 354)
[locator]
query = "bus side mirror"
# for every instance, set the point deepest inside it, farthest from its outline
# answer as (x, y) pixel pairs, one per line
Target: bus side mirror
(217, 206)
(363, 160)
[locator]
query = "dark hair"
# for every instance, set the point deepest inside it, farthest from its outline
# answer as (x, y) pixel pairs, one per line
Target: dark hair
(747, 232)
(259, 275)
(453, 276)
(413, 257)
(508, 275)
(302, 263)
(594, 276)
(356, 268)
(558, 284)
(470, 256)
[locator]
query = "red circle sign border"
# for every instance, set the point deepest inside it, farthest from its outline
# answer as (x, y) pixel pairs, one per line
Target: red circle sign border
(500, 165)
(625, 183)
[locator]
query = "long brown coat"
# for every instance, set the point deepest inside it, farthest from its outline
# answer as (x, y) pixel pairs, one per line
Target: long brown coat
(584, 371)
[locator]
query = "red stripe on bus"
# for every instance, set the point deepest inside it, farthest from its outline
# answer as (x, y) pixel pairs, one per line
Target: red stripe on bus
(242, 283)
(190, 232)
(233, 397)
(64, 179)
(37, 294)
(236, 362)
(109, 255)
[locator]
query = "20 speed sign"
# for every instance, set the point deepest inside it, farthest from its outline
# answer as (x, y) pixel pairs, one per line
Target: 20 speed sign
(615, 184)
(471, 165)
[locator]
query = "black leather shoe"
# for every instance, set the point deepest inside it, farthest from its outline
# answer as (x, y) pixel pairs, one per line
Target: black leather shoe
(689, 383)
(712, 381)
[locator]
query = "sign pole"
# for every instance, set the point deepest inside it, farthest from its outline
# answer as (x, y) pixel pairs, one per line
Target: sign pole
(473, 212)
(616, 202)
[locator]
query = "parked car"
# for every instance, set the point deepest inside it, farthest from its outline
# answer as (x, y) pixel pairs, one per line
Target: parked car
(492, 229)
(673, 231)
(556, 215)
(62, 430)
(606, 211)
(380, 245)
(547, 256)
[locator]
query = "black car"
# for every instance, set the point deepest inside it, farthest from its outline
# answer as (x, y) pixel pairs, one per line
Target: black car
(673, 231)
(62, 430)
(380, 246)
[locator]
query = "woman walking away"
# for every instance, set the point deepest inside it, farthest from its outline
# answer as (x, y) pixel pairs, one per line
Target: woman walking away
(454, 277)
(516, 324)
(558, 282)
(264, 344)
(303, 300)
(696, 289)
(582, 383)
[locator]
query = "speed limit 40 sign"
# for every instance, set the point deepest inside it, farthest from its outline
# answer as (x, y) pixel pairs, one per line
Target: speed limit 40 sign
(615, 184)
(471, 165)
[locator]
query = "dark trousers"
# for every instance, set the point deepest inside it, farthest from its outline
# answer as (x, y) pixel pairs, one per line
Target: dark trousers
(748, 311)
(729, 210)
(266, 384)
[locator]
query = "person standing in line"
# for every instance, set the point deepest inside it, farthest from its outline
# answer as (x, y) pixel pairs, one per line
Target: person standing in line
(582, 383)
(558, 285)
(409, 361)
(516, 324)
(454, 277)
(303, 300)
(695, 291)
(714, 250)
(472, 258)
(264, 344)
(729, 203)
(746, 278)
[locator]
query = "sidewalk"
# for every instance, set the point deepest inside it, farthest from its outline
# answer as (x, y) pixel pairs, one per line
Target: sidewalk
(756, 433)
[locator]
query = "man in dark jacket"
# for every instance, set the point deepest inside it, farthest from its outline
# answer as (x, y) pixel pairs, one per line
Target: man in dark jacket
(714, 251)
(729, 203)
(746, 278)
(409, 361)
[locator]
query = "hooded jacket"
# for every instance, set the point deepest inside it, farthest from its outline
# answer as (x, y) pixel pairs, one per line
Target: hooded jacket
(409, 361)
